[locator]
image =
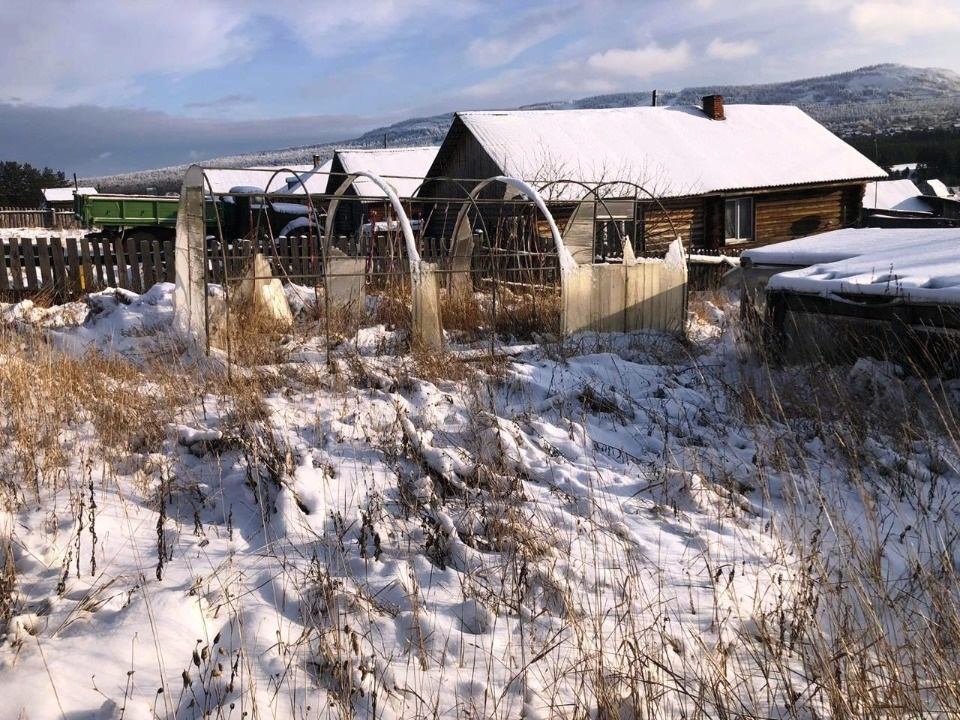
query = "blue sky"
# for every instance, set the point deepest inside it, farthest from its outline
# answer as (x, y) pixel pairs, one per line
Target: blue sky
(115, 76)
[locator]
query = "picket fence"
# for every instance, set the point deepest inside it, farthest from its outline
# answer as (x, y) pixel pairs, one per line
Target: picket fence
(64, 268)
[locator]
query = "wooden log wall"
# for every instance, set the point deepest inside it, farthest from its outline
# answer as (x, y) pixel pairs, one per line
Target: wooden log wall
(683, 215)
(793, 215)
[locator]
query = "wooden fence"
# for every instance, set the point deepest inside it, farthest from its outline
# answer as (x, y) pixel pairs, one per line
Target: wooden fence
(63, 268)
(708, 275)
(14, 217)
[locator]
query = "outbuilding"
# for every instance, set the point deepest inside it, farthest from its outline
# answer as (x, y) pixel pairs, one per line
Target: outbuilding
(404, 168)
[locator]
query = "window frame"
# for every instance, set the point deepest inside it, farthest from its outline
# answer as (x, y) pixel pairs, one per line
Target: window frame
(740, 239)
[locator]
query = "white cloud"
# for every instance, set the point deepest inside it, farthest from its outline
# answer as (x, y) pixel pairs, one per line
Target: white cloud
(525, 32)
(898, 21)
(642, 62)
(60, 53)
(825, 6)
(57, 53)
(731, 50)
(332, 28)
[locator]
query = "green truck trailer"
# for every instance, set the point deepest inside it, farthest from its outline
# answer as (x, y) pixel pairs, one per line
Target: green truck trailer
(155, 216)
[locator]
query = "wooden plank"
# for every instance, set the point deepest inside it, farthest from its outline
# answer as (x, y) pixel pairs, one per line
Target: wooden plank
(16, 272)
(121, 260)
(216, 261)
(299, 244)
(59, 268)
(284, 256)
(75, 282)
(157, 252)
(4, 284)
(108, 258)
(133, 263)
(43, 252)
(169, 263)
(30, 263)
(99, 263)
(147, 263)
(87, 264)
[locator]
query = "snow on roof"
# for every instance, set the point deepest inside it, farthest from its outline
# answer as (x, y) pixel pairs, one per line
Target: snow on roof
(404, 168)
(315, 180)
(840, 245)
(917, 265)
(258, 176)
(65, 194)
(899, 195)
(672, 151)
(904, 166)
(939, 188)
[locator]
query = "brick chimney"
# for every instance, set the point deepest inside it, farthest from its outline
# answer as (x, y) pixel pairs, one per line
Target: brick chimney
(713, 107)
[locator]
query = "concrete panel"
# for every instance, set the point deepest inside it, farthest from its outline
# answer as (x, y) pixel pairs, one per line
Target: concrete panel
(345, 285)
(189, 296)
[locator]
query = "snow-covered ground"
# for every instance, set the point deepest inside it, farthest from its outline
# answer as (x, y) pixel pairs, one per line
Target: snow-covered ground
(622, 526)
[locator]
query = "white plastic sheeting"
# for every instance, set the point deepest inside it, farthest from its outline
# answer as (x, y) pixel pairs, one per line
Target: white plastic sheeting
(639, 295)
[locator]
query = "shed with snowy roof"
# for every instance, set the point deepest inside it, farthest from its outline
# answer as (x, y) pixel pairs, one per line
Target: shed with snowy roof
(868, 291)
(403, 168)
(61, 198)
(740, 175)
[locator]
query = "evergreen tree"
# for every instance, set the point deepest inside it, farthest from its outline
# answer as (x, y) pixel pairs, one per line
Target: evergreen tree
(21, 183)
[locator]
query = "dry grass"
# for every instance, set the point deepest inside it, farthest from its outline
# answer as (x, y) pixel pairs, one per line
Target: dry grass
(848, 635)
(49, 397)
(394, 306)
(513, 315)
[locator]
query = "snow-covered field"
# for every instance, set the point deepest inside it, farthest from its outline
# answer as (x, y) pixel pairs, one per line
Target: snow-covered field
(620, 526)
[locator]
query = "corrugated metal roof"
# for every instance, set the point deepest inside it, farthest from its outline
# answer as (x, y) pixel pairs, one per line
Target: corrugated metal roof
(404, 168)
(671, 151)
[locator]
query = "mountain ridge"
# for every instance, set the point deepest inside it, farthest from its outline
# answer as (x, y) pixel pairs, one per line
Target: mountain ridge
(875, 99)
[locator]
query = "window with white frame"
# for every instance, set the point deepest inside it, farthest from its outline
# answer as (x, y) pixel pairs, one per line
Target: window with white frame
(739, 220)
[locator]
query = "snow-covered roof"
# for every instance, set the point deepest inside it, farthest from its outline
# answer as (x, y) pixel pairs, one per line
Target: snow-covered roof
(315, 180)
(404, 168)
(672, 151)
(65, 194)
(258, 176)
(911, 167)
(939, 188)
(899, 195)
(919, 265)
(839, 245)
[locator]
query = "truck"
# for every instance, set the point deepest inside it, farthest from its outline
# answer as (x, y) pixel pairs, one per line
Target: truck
(154, 217)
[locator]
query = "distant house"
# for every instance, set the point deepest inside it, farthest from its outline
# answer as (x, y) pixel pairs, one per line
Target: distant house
(936, 188)
(735, 176)
(895, 197)
(900, 203)
(260, 177)
(61, 198)
(907, 171)
(403, 168)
